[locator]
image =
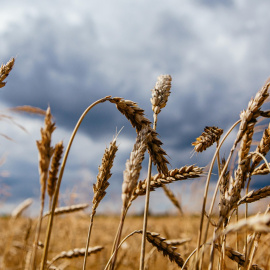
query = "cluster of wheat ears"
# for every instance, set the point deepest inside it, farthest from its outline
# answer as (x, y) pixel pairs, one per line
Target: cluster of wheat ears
(232, 185)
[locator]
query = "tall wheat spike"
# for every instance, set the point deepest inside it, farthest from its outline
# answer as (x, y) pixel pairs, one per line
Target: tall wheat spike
(45, 153)
(104, 174)
(52, 179)
(159, 100)
(131, 176)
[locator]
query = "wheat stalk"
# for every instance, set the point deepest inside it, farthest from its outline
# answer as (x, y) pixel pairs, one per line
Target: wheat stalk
(159, 100)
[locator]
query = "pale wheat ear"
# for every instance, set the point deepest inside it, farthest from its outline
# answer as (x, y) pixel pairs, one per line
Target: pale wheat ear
(131, 176)
(17, 212)
(77, 252)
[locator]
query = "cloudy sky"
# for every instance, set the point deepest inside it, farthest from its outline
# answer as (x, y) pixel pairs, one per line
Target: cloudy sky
(71, 53)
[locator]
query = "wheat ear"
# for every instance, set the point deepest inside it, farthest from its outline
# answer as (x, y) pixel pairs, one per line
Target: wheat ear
(137, 119)
(131, 176)
(5, 70)
(261, 170)
(262, 148)
(17, 212)
(76, 252)
(104, 174)
(173, 199)
(67, 209)
(160, 243)
(52, 179)
(238, 257)
(159, 100)
(159, 180)
(208, 138)
(255, 195)
(45, 154)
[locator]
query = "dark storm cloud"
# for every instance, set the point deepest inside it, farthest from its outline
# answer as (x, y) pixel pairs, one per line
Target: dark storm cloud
(216, 52)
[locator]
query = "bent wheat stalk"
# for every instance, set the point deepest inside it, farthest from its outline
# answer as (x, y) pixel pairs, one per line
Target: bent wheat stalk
(136, 116)
(56, 193)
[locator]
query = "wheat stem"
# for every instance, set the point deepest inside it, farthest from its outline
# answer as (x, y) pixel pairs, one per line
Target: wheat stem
(207, 185)
(56, 193)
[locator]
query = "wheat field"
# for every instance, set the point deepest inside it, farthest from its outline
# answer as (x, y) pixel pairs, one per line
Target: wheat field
(220, 237)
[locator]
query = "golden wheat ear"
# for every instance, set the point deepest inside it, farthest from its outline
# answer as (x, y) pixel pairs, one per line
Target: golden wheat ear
(208, 138)
(5, 70)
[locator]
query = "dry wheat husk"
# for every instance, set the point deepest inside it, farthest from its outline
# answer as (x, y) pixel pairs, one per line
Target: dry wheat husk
(77, 252)
(17, 212)
(137, 119)
(68, 209)
(5, 70)
(158, 180)
(178, 242)
(208, 138)
(255, 195)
